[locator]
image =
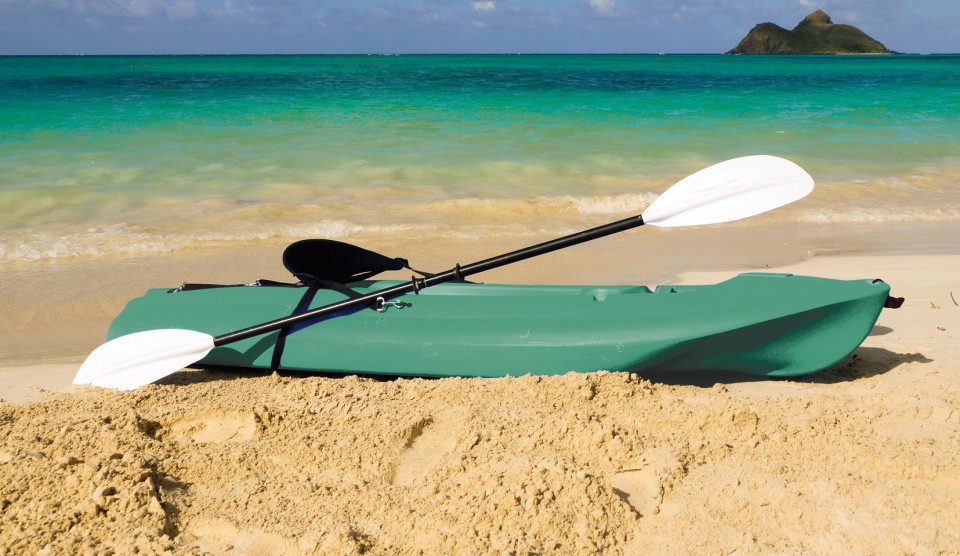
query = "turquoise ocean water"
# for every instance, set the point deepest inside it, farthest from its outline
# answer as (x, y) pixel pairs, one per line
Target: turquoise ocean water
(104, 156)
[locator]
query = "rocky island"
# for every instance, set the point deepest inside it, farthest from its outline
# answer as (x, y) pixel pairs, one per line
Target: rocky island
(816, 34)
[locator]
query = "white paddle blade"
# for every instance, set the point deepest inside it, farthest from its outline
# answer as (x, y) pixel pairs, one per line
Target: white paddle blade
(730, 190)
(131, 361)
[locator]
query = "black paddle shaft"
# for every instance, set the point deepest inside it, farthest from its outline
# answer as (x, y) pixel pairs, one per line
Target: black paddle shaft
(417, 284)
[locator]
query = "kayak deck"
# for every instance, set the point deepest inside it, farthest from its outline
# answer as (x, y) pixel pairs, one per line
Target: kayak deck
(758, 323)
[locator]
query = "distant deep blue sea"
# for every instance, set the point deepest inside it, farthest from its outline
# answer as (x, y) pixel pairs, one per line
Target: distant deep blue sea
(119, 155)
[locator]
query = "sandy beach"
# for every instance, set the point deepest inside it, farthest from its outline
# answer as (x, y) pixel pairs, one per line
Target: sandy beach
(860, 458)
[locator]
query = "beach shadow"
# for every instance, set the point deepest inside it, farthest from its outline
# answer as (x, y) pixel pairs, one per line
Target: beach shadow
(865, 362)
(199, 376)
(702, 379)
(224, 374)
(880, 330)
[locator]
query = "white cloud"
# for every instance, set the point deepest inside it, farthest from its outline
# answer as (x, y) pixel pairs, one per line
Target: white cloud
(605, 8)
(486, 6)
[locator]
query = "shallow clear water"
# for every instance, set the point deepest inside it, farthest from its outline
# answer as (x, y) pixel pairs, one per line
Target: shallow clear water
(116, 155)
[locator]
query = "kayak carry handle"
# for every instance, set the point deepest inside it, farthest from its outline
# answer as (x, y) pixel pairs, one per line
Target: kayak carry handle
(893, 302)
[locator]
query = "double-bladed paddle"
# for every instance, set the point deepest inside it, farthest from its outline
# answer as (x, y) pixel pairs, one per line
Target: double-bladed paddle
(727, 191)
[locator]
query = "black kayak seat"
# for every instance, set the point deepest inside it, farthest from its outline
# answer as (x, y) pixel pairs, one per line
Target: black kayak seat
(311, 260)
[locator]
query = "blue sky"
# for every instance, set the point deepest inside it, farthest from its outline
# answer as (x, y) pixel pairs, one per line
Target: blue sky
(446, 26)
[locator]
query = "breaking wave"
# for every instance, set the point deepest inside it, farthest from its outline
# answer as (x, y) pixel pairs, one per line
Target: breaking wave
(472, 218)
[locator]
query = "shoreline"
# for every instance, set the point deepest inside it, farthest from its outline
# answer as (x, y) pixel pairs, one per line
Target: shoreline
(921, 196)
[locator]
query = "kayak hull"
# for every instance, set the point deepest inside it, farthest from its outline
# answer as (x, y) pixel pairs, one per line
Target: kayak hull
(757, 323)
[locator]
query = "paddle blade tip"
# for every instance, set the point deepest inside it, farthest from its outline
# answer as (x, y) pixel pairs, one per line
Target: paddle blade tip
(137, 359)
(730, 190)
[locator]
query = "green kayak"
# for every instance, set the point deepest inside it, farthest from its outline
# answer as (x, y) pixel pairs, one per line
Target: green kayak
(758, 323)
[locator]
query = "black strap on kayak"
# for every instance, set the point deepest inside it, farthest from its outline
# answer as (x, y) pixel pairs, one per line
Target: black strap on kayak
(311, 281)
(188, 287)
(282, 336)
(313, 286)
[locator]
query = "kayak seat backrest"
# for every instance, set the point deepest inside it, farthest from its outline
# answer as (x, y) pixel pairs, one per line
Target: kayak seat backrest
(312, 260)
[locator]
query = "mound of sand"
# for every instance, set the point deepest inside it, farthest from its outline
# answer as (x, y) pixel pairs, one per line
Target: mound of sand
(571, 464)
